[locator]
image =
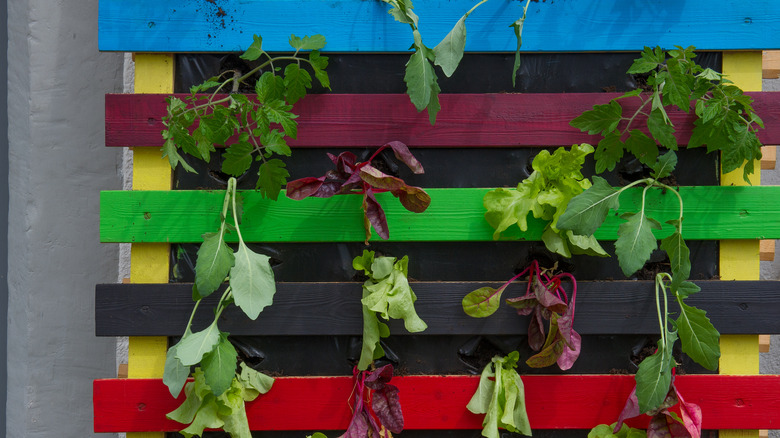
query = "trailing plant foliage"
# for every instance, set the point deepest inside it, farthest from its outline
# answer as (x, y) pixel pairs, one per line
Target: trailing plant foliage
(252, 129)
(674, 418)
(421, 80)
(544, 299)
(387, 293)
(361, 178)
(501, 397)
(555, 180)
(725, 119)
(216, 397)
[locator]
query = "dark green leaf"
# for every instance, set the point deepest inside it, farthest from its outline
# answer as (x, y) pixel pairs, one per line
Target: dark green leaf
(661, 130)
(237, 158)
(677, 86)
(642, 147)
(254, 50)
(649, 60)
(319, 63)
(215, 258)
(273, 141)
(679, 256)
(219, 366)
(700, 339)
(174, 159)
(743, 148)
(296, 81)
(269, 87)
(654, 377)
(664, 166)
(685, 289)
(314, 42)
(272, 176)
(587, 211)
(609, 151)
(635, 241)
(602, 119)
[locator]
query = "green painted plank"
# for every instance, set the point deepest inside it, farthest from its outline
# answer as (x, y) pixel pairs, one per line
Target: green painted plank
(365, 26)
(454, 215)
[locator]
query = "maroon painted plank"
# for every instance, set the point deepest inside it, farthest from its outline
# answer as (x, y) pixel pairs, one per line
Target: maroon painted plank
(439, 402)
(466, 120)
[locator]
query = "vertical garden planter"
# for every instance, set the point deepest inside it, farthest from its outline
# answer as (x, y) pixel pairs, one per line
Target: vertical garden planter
(483, 138)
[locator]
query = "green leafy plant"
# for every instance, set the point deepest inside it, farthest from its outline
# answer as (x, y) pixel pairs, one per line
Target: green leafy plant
(421, 80)
(699, 340)
(556, 179)
(501, 397)
(361, 178)
(216, 397)
(725, 119)
(252, 129)
(387, 293)
(544, 299)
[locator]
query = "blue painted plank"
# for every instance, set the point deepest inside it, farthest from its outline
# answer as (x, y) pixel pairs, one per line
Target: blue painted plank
(365, 26)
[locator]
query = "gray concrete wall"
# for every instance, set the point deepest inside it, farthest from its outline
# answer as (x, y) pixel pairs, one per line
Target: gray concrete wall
(58, 165)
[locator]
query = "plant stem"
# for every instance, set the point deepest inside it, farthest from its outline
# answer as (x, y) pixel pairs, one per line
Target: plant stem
(232, 190)
(679, 198)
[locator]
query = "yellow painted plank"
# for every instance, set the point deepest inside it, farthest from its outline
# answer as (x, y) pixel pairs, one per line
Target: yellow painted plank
(739, 260)
(149, 262)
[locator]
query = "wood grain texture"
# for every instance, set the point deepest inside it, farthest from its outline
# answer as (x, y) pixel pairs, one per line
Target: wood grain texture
(355, 25)
(454, 215)
(466, 120)
(329, 309)
(438, 402)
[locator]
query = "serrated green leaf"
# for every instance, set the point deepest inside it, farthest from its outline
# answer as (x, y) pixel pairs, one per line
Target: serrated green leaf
(273, 141)
(254, 50)
(269, 87)
(661, 130)
(449, 51)
(642, 147)
(192, 348)
(677, 86)
(743, 148)
(237, 158)
(252, 281)
(314, 42)
(215, 258)
(272, 176)
(664, 166)
(217, 127)
(507, 207)
(679, 256)
(587, 211)
(649, 60)
(654, 377)
(319, 63)
(219, 366)
(175, 374)
(635, 242)
(402, 11)
(204, 86)
(296, 81)
(685, 289)
(602, 119)
(609, 151)
(700, 339)
(174, 159)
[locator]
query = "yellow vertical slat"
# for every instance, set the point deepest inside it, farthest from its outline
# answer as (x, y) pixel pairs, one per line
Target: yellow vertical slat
(739, 259)
(149, 262)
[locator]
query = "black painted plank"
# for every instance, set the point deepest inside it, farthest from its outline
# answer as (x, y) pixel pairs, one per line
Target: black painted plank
(617, 307)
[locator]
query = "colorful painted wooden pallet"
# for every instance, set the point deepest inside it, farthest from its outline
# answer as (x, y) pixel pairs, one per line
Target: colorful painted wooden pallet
(438, 402)
(365, 26)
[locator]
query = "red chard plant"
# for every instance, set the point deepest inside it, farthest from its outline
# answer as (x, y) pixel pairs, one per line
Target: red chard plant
(544, 299)
(361, 178)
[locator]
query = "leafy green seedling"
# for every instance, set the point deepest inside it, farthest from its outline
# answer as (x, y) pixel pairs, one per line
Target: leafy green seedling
(422, 84)
(361, 178)
(252, 129)
(556, 179)
(501, 397)
(387, 293)
(544, 299)
(216, 398)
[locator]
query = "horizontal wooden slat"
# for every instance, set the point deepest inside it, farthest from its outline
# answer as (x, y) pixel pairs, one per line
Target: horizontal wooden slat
(365, 26)
(438, 402)
(609, 307)
(454, 215)
(466, 120)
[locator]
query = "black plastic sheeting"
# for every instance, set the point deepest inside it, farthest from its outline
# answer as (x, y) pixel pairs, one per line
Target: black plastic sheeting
(446, 261)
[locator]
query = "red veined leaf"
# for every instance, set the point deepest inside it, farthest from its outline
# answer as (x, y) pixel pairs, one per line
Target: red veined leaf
(387, 408)
(547, 298)
(536, 334)
(375, 215)
(630, 410)
(524, 305)
(403, 153)
(570, 352)
(304, 187)
(380, 180)
(413, 198)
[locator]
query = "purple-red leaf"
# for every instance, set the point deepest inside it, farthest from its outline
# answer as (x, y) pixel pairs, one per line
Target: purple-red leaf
(358, 426)
(402, 153)
(690, 414)
(524, 305)
(375, 216)
(547, 298)
(344, 162)
(377, 379)
(414, 199)
(536, 335)
(380, 180)
(570, 352)
(387, 408)
(630, 410)
(547, 356)
(658, 427)
(304, 187)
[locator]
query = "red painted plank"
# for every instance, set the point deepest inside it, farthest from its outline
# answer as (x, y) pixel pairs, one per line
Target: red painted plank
(438, 402)
(466, 120)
